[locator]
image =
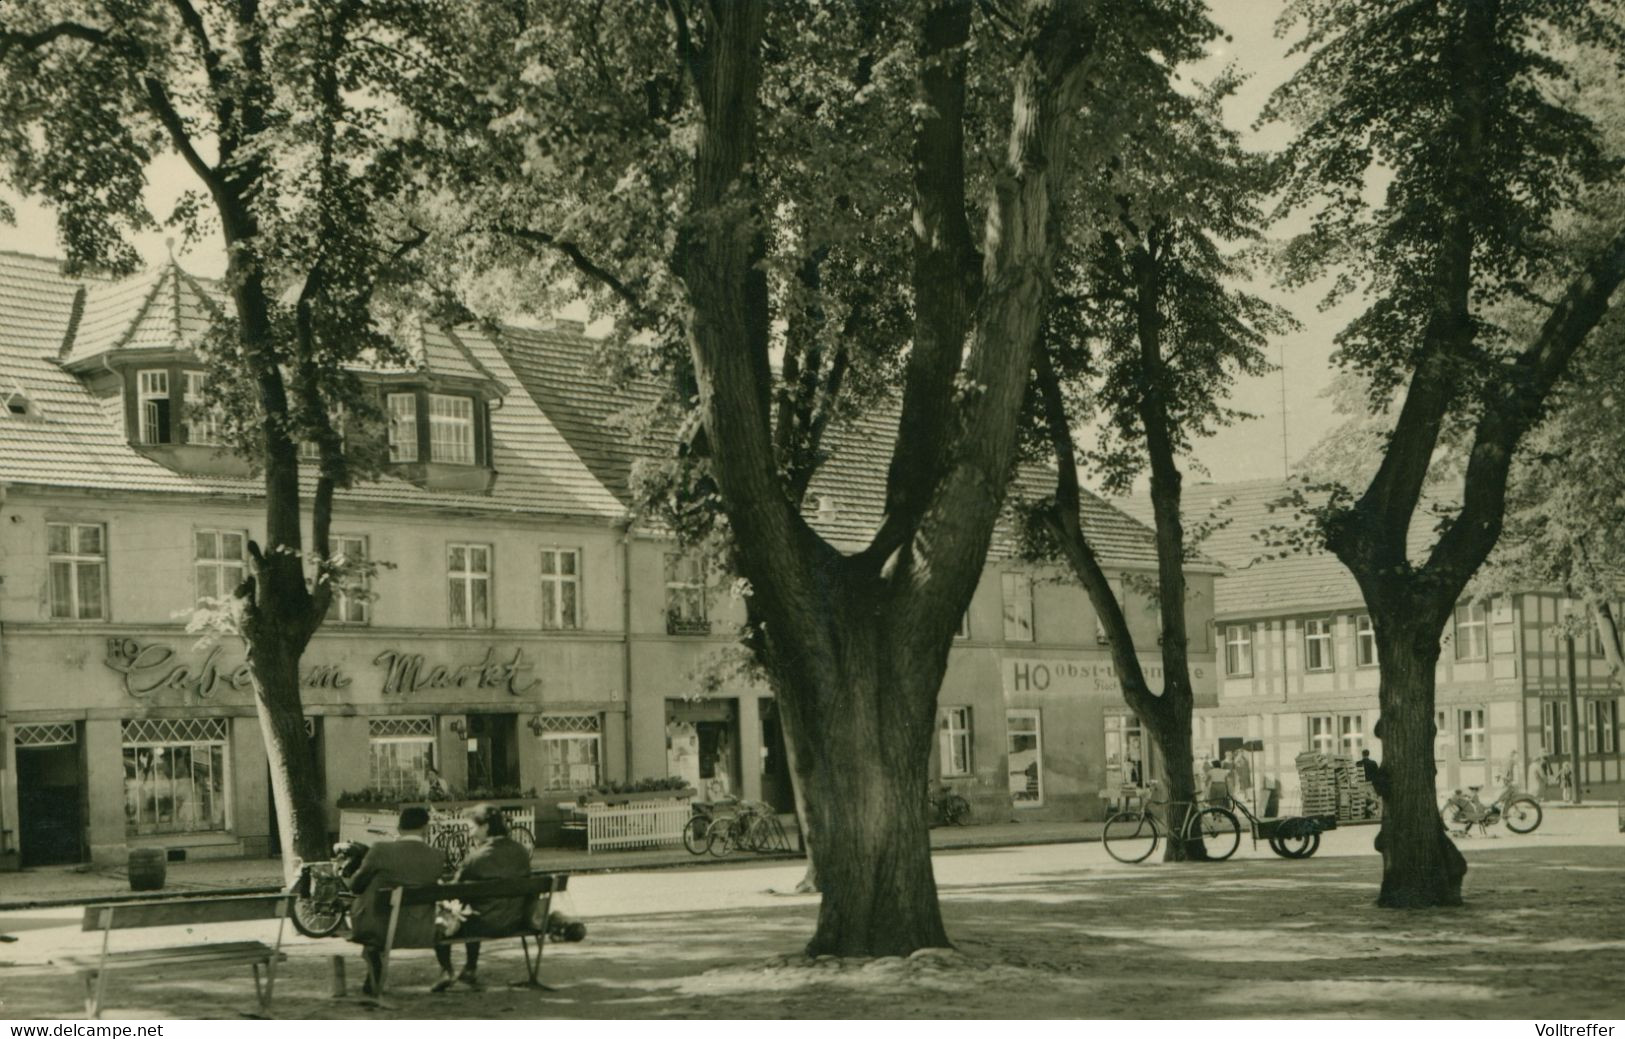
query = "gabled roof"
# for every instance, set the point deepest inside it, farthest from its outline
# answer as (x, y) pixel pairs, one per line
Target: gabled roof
(1266, 578)
(162, 309)
(78, 441)
(560, 369)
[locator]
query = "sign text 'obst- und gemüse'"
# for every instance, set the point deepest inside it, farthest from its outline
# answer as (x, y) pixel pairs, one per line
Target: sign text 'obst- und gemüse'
(151, 668)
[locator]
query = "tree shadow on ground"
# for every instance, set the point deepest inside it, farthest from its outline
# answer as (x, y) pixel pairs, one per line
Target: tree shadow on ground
(1254, 938)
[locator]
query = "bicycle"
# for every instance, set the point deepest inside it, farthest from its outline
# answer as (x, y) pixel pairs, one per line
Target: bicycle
(750, 825)
(1131, 836)
(1462, 811)
(948, 808)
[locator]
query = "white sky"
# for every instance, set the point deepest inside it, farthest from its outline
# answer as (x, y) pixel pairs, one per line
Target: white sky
(1250, 450)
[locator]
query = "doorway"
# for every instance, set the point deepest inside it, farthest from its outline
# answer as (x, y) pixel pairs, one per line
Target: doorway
(50, 795)
(1025, 754)
(776, 788)
(493, 755)
(702, 745)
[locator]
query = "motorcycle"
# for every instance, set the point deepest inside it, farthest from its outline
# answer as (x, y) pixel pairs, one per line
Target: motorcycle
(1463, 811)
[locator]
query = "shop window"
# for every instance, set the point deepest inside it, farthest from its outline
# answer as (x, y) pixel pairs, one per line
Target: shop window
(468, 572)
(1317, 644)
(1024, 758)
(1471, 643)
(217, 561)
(1322, 737)
(954, 741)
(403, 427)
(400, 756)
(175, 775)
(1365, 642)
(685, 595)
(1472, 744)
(1017, 590)
(1350, 734)
(1602, 725)
(1125, 751)
(561, 589)
(152, 407)
(77, 559)
(352, 595)
(451, 429)
(572, 746)
(1238, 650)
(1554, 726)
(202, 424)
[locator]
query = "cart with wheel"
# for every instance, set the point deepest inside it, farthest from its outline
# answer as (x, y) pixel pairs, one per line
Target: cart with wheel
(1293, 836)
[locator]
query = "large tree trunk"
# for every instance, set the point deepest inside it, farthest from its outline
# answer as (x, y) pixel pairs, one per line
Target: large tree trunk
(865, 774)
(1172, 734)
(1421, 867)
(295, 788)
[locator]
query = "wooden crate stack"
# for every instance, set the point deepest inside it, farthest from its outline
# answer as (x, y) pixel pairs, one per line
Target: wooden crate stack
(1326, 782)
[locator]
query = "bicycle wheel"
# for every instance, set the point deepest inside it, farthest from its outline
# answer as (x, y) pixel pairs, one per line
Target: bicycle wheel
(1219, 831)
(1456, 821)
(317, 918)
(1297, 846)
(1522, 814)
(695, 834)
(722, 837)
(522, 836)
(453, 844)
(1130, 836)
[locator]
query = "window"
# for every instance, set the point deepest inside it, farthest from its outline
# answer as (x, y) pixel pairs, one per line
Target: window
(1602, 724)
(403, 427)
(451, 429)
(570, 751)
(1350, 734)
(1317, 644)
(174, 775)
(400, 755)
(1365, 642)
(685, 595)
(217, 561)
(1018, 607)
(1322, 737)
(1471, 643)
(1554, 726)
(202, 422)
(1472, 733)
(1238, 649)
(352, 595)
(1125, 751)
(77, 555)
(1024, 755)
(468, 570)
(561, 589)
(953, 741)
(152, 406)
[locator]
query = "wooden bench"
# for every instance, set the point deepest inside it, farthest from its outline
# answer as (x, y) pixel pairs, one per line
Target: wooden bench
(190, 912)
(537, 891)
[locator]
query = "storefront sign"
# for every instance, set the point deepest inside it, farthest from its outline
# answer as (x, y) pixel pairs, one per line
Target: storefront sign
(152, 667)
(410, 672)
(1078, 676)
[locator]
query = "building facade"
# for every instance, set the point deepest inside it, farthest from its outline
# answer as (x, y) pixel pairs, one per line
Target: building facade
(518, 636)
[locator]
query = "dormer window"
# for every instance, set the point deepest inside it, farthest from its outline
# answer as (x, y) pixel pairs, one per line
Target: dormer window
(403, 427)
(202, 422)
(451, 429)
(152, 406)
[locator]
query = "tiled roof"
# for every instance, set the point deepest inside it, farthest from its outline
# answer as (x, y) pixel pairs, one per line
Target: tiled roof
(1265, 577)
(77, 440)
(561, 370)
(163, 309)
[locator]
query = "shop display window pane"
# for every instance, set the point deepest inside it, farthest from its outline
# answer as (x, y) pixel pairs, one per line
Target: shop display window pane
(175, 776)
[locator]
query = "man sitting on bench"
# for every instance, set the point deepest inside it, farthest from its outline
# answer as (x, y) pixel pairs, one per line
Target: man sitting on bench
(493, 855)
(408, 862)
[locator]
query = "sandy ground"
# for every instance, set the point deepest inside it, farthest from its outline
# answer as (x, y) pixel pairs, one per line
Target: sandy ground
(1043, 932)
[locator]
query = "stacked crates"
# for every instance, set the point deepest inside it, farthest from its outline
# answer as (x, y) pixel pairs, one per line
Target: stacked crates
(1331, 785)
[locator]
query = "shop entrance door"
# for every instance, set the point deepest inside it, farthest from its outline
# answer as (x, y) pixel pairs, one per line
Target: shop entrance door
(493, 754)
(702, 745)
(776, 789)
(50, 795)
(1026, 758)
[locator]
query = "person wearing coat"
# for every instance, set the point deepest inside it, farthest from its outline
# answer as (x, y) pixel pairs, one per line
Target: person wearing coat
(493, 856)
(407, 862)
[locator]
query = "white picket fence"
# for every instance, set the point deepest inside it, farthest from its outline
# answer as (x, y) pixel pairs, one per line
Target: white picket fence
(641, 824)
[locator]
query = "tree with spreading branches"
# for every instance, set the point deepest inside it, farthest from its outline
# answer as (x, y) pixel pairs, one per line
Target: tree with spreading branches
(1447, 173)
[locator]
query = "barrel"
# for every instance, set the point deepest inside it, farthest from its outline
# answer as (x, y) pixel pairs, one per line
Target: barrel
(147, 869)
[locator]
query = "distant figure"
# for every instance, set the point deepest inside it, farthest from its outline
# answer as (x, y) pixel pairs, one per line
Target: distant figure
(1512, 775)
(1368, 768)
(1565, 776)
(1540, 776)
(408, 862)
(1218, 783)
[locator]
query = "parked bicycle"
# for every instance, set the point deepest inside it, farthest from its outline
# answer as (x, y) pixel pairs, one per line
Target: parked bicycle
(1131, 836)
(744, 825)
(452, 833)
(322, 892)
(1463, 810)
(948, 808)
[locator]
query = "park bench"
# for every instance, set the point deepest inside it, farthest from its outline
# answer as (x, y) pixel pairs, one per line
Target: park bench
(538, 892)
(188, 912)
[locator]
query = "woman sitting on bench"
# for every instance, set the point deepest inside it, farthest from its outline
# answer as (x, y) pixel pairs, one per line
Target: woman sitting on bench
(493, 856)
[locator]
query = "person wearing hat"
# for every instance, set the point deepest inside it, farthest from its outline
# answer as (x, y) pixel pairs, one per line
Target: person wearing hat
(493, 855)
(407, 862)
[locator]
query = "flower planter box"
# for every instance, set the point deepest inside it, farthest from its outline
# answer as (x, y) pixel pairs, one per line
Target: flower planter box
(684, 794)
